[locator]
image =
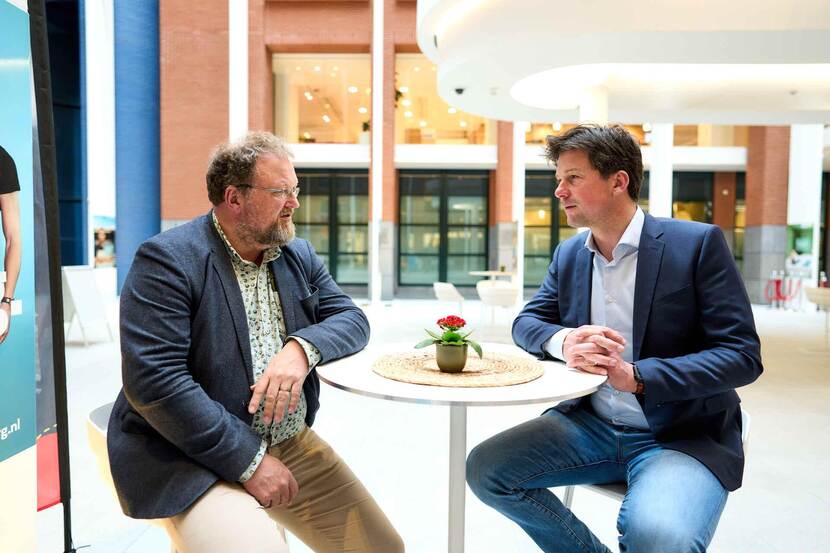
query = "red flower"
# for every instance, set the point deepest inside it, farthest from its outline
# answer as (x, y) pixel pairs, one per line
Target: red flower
(451, 322)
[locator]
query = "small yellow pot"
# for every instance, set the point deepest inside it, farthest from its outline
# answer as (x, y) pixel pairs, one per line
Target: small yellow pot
(451, 359)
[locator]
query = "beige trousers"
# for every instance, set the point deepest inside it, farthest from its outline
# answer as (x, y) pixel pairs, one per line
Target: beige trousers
(333, 512)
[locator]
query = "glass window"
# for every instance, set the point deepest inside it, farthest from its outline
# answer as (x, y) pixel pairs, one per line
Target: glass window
(545, 225)
(539, 131)
(420, 239)
(443, 230)
(692, 196)
(333, 215)
(423, 117)
(322, 98)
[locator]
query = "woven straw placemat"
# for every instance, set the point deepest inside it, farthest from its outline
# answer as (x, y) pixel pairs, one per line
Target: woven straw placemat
(496, 369)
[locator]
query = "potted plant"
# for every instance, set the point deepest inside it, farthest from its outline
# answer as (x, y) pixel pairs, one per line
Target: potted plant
(450, 345)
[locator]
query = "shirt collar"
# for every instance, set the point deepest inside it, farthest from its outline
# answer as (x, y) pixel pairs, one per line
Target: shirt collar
(630, 239)
(268, 255)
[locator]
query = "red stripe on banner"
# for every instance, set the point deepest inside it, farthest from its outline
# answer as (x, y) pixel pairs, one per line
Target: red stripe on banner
(48, 474)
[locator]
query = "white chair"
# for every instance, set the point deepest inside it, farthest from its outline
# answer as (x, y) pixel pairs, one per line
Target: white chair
(497, 293)
(445, 291)
(617, 489)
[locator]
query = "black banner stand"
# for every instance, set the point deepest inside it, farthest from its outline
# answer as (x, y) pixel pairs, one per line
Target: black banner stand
(48, 172)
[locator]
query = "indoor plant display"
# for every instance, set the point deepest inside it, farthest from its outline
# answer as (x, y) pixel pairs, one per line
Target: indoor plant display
(450, 345)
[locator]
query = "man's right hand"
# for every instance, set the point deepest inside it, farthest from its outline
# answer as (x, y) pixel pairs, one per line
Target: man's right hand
(272, 484)
(588, 346)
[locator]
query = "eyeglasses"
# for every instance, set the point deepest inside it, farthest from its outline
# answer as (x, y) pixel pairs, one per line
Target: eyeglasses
(282, 193)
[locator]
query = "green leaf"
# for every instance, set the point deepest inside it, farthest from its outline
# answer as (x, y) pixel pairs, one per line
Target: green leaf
(476, 347)
(424, 343)
(434, 335)
(465, 335)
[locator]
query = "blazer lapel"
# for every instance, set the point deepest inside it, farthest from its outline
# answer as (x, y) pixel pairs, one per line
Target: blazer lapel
(583, 274)
(649, 256)
(222, 265)
(287, 290)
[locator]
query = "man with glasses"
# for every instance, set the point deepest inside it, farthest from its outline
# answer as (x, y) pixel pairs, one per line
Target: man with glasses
(223, 321)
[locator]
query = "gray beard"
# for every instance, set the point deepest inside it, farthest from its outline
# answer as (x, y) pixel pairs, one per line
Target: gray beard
(278, 234)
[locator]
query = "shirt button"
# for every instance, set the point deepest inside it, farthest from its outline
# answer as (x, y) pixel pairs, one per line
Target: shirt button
(608, 298)
(616, 392)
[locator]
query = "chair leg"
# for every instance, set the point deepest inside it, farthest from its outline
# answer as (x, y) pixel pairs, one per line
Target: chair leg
(569, 496)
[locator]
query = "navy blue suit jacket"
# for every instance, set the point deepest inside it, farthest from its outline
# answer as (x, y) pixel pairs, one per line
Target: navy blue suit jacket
(181, 421)
(693, 332)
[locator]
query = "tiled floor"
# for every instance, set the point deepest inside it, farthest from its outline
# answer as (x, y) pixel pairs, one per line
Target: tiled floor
(400, 450)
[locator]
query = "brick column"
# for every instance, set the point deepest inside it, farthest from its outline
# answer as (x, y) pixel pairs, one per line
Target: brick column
(723, 206)
(767, 175)
(193, 46)
(502, 250)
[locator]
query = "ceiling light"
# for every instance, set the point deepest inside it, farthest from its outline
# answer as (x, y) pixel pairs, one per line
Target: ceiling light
(404, 89)
(332, 74)
(317, 68)
(368, 91)
(298, 68)
(328, 106)
(462, 124)
(406, 102)
(451, 110)
(352, 89)
(423, 124)
(557, 126)
(434, 68)
(416, 68)
(326, 118)
(646, 127)
(407, 114)
(541, 213)
(308, 95)
(361, 109)
(335, 68)
(307, 135)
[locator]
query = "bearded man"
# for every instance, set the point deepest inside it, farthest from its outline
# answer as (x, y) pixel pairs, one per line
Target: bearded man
(223, 321)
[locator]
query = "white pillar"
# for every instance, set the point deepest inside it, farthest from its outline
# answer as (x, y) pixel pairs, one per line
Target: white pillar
(804, 189)
(100, 115)
(237, 68)
(519, 130)
(375, 276)
(593, 108)
(660, 173)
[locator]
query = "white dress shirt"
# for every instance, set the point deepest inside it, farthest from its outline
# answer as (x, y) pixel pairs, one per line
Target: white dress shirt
(612, 305)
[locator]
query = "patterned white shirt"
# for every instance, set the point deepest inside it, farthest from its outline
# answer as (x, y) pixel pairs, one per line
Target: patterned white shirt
(266, 329)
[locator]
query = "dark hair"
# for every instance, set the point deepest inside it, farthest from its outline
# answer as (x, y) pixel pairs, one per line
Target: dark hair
(610, 149)
(233, 163)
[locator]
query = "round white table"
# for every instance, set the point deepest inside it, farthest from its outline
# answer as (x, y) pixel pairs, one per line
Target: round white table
(558, 383)
(492, 275)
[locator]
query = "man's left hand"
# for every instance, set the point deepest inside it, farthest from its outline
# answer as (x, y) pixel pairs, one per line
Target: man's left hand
(620, 373)
(281, 383)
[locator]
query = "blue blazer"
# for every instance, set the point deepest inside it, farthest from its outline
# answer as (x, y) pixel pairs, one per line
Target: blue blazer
(181, 422)
(694, 335)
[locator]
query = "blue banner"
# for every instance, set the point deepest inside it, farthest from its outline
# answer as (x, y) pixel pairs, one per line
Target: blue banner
(17, 349)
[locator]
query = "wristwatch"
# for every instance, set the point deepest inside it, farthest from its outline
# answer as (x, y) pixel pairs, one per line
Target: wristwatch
(7, 299)
(641, 384)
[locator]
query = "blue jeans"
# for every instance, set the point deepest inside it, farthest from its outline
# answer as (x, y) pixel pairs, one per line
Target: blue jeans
(673, 502)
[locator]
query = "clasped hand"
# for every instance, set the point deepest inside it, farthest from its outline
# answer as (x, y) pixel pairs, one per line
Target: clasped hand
(597, 350)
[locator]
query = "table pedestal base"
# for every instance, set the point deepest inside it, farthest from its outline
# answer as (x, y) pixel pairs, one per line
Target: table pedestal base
(458, 478)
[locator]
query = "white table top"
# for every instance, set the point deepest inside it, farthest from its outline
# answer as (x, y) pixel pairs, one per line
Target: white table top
(492, 273)
(354, 374)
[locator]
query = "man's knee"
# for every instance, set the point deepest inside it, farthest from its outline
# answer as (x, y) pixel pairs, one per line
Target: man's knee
(659, 534)
(483, 469)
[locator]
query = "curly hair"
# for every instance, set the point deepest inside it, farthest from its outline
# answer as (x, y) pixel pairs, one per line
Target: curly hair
(234, 163)
(610, 149)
